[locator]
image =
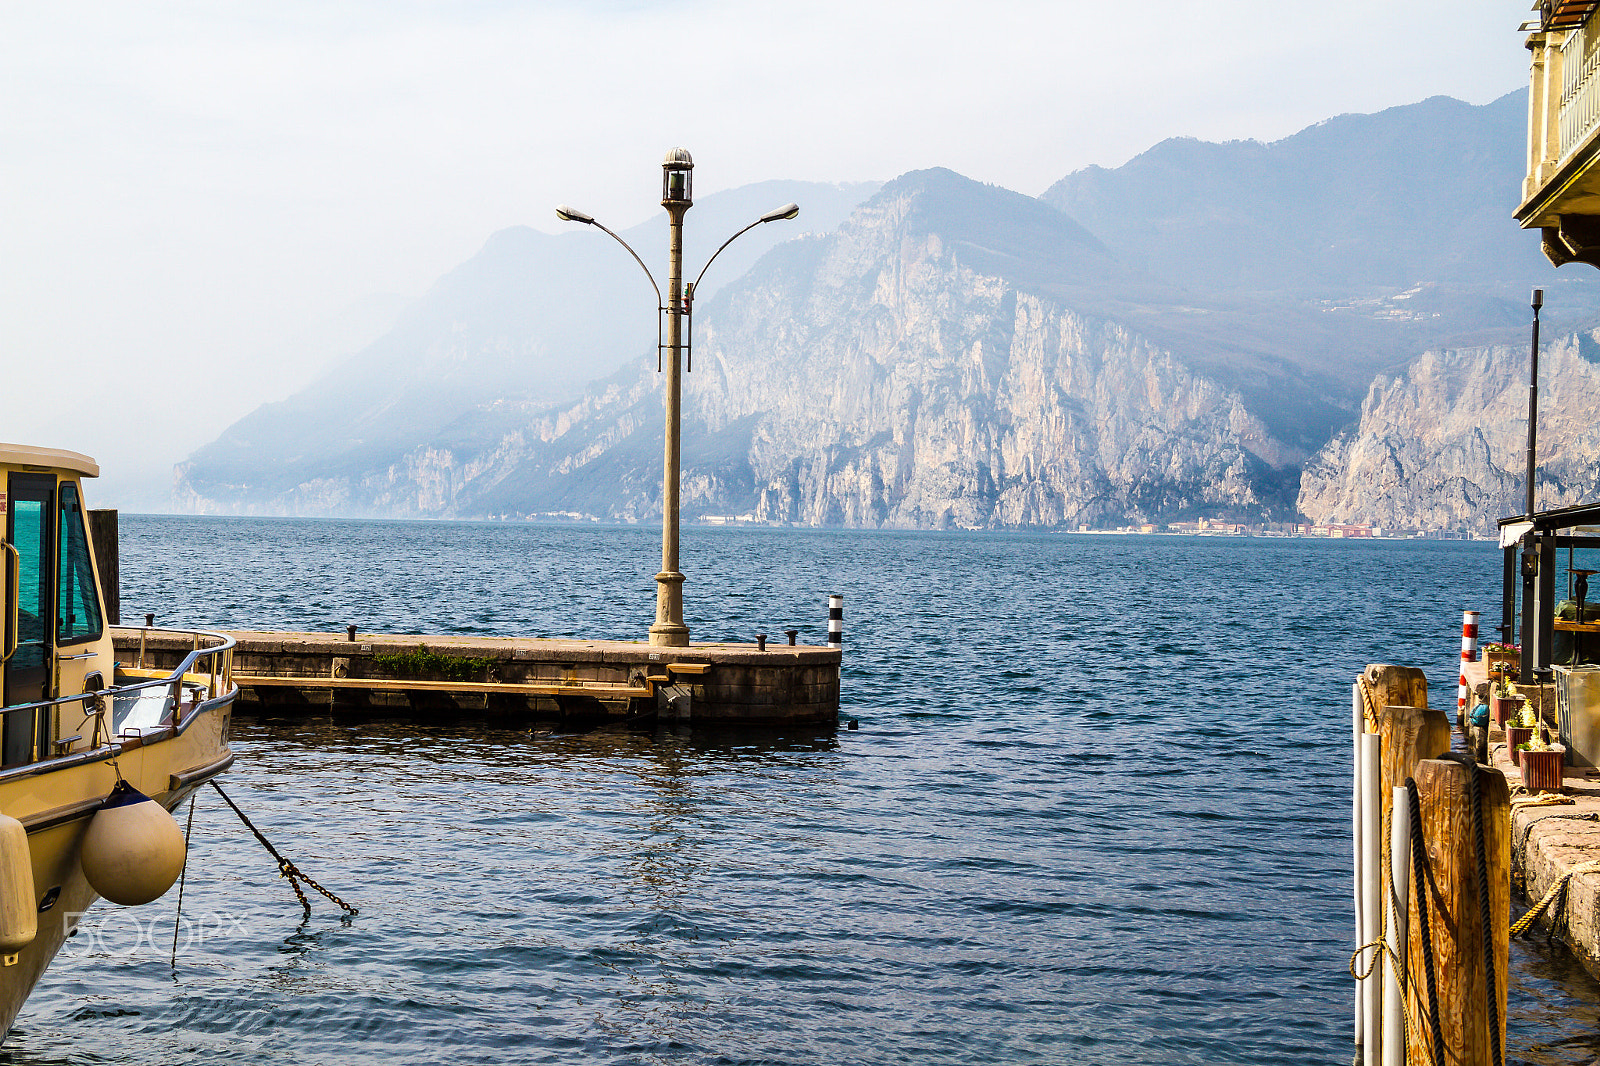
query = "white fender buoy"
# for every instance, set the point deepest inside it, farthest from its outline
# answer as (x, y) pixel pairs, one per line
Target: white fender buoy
(133, 849)
(19, 907)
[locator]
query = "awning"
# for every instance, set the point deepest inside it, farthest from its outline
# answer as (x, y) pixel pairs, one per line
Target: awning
(1566, 14)
(1512, 532)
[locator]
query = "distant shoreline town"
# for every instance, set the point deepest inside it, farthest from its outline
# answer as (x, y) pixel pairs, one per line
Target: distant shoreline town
(1199, 527)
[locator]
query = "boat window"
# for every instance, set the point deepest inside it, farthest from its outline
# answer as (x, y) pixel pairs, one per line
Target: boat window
(77, 600)
(31, 534)
(27, 674)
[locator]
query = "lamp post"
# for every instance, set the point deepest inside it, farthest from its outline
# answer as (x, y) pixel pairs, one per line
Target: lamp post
(677, 196)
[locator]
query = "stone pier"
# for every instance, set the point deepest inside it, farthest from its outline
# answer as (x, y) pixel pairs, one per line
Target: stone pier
(437, 677)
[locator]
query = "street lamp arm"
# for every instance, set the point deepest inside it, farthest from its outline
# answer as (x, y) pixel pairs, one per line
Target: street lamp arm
(785, 212)
(567, 214)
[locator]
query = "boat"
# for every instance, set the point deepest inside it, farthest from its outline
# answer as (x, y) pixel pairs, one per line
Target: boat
(94, 754)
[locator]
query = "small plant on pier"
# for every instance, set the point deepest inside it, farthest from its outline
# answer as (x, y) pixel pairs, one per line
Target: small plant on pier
(422, 661)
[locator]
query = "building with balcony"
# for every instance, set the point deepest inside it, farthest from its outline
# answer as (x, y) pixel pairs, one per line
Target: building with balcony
(1561, 193)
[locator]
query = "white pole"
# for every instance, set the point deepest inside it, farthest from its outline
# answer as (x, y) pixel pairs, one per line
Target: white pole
(1371, 896)
(1394, 1026)
(1358, 726)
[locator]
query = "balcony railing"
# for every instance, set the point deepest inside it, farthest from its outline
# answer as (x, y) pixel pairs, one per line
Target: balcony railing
(1580, 90)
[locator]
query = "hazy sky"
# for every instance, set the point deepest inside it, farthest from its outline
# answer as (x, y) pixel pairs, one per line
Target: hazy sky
(199, 201)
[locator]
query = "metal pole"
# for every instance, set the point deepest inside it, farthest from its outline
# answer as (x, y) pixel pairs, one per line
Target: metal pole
(669, 629)
(1529, 621)
(1358, 728)
(1371, 896)
(1533, 398)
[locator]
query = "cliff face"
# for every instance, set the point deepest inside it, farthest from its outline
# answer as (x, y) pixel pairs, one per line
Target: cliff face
(914, 389)
(1443, 444)
(896, 373)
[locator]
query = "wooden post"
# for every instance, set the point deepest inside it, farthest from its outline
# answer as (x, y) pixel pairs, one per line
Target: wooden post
(103, 532)
(1410, 735)
(1402, 686)
(1455, 924)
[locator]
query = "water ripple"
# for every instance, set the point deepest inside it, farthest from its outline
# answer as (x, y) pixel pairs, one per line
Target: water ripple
(1097, 812)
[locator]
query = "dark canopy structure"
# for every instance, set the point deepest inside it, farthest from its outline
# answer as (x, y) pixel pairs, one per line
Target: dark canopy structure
(1530, 545)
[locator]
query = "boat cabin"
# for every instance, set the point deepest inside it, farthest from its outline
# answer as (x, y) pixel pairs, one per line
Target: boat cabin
(54, 636)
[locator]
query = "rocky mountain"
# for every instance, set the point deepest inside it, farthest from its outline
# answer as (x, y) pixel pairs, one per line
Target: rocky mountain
(1356, 205)
(1443, 443)
(531, 316)
(1169, 339)
(919, 367)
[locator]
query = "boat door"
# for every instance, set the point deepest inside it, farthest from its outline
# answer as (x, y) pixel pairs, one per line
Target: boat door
(27, 677)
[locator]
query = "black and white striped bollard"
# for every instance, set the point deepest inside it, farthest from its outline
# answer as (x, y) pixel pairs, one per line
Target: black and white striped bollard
(835, 618)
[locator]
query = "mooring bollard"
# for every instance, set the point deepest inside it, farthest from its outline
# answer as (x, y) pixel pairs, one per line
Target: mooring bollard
(350, 632)
(149, 621)
(761, 642)
(1469, 653)
(791, 634)
(1469, 954)
(835, 618)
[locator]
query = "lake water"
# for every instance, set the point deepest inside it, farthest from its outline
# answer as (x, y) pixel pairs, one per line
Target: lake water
(1097, 811)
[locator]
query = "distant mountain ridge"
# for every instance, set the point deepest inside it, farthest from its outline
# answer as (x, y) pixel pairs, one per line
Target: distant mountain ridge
(950, 354)
(1354, 204)
(531, 316)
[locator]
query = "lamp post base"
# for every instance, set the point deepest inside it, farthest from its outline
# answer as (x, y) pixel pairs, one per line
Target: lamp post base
(669, 630)
(667, 635)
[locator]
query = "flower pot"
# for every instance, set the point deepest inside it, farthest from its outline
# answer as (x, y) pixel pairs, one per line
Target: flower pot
(1503, 709)
(1541, 770)
(1517, 734)
(1496, 658)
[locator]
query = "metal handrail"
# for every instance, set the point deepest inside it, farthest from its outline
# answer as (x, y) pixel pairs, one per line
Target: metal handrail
(174, 679)
(110, 747)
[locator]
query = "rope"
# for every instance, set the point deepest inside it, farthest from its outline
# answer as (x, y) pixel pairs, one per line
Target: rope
(1519, 854)
(1559, 888)
(183, 878)
(1521, 797)
(1484, 910)
(285, 867)
(1368, 705)
(1419, 874)
(1381, 945)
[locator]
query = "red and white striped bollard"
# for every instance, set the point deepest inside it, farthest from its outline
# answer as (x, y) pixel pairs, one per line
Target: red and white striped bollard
(1469, 653)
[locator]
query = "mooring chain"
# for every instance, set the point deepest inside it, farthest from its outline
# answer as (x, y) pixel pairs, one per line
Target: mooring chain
(286, 868)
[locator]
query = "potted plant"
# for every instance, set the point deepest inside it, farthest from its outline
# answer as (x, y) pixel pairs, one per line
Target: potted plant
(1498, 656)
(1520, 730)
(1504, 701)
(1540, 762)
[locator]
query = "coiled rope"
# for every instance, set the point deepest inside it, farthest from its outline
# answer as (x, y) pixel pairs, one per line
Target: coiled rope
(285, 867)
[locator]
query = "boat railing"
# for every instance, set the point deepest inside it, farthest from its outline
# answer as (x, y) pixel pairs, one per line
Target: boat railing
(207, 669)
(214, 650)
